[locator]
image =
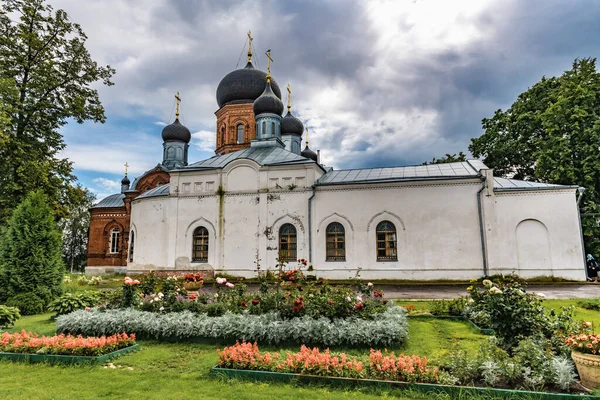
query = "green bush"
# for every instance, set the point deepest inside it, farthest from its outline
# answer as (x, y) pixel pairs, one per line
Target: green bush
(8, 316)
(589, 304)
(515, 315)
(449, 307)
(70, 302)
(31, 253)
(390, 328)
(27, 303)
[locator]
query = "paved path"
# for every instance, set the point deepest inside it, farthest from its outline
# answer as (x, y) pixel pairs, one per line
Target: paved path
(423, 292)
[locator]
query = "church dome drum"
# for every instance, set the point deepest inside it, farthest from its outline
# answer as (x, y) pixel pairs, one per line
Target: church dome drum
(291, 125)
(176, 131)
(244, 86)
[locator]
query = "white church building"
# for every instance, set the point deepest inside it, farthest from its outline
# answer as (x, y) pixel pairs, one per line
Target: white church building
(261, 199)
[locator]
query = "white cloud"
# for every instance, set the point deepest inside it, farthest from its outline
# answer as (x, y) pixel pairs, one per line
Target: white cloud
(107, 184)
(204, 141)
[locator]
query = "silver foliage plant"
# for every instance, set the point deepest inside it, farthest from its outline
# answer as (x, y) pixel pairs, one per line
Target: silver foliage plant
(389, 328)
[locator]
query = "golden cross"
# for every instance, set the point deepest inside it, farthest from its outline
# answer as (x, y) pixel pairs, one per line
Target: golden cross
(177, 101)
(289, 90)
(268, 53)
(126, 167)
(249, 46)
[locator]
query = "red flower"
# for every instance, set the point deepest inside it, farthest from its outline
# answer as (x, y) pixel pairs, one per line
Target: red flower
(377, 293)
(330, 302)
(359, 306)
(192, 296)
(255, 301)
(244, 304)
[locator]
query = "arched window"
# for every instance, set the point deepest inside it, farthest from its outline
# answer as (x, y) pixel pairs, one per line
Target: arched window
(287, 243)
(386, 242)
(200, 245)
(240, 133)
(264, 130)
(273, 129)
(222, 135)
(336, 242)
(114, 240)
(131, 246)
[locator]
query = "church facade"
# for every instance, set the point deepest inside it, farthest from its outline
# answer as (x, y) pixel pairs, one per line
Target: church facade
(262, 200)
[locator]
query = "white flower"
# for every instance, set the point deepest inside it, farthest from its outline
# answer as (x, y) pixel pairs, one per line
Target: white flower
(161, 295)
(161, 309)
(216, 294)
(348, 298)
(369, 284)
(221, 281)
(495, 290)
(179, 290)
(358, 298)
(151, 301)
(156, 299)
(487, 283)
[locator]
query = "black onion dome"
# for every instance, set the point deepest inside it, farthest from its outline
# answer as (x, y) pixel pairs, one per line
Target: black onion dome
(244, 86)
(291, 125)
(176, 131)
(308, 153)
(125, 181)
(267, 102)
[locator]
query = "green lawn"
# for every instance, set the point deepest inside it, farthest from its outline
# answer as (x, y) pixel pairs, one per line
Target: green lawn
(182, 370)
(165, 371)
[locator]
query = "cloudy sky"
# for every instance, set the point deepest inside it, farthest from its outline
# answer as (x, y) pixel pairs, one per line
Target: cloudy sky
(378, 82)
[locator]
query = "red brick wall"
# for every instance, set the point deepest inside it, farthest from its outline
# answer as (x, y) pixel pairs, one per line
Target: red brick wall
(228, 118)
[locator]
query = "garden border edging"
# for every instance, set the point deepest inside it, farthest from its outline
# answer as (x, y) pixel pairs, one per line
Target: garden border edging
(66, 360)
(420, 387)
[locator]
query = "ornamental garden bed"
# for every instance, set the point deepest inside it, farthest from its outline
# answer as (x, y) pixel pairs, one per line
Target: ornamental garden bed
(381, 369)
(389, 328)
(453, 391)
(64, 349)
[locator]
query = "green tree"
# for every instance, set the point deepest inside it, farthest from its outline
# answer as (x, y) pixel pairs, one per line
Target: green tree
(30, 251)
(75, 230)
(49, 74)
(551, 133)
(448, 158)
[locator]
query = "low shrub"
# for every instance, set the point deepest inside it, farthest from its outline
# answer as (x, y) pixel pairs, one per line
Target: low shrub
(531, 366)
(90, 281)
(383, 366)
(27, 303)
(31, 343)
(589, 304)
(8, 316)
(449, 307)
(70, 302)
(389, 328)
(515, 315)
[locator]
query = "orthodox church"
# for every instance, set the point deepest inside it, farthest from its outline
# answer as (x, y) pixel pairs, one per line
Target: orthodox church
(262, 200)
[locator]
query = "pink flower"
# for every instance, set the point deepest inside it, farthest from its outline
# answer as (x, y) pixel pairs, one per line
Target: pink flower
(136, 282)
(87, 309)
(221, 281)
(161, 309)
(229, 285)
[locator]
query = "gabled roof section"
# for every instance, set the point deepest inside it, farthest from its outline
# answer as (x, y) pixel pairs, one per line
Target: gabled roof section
(112, 201)
(503, 184)
(262, 155)
(456, 170)
(162, 190)
(137, 179)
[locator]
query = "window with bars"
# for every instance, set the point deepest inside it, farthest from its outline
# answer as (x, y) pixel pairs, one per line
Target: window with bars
(387, 249)
(288, 243)
(335, 242)
(200, 245)
(131, 246)
(114, 241)
(240, 133)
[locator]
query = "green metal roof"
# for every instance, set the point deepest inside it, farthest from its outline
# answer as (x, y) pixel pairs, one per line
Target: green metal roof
(503, 184)
(271, 155)
(162, 190)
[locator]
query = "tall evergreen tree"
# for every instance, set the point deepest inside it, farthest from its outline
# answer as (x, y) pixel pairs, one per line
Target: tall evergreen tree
(49, 76)
(30, 251)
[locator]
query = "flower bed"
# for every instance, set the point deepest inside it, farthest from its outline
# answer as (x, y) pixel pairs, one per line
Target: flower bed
(386, 366)
(63, 349)
(388, 328)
